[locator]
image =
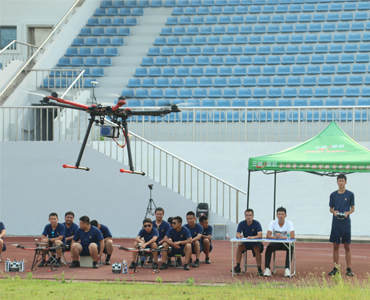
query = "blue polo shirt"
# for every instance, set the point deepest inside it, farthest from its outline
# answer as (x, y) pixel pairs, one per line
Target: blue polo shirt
(251, 230)
(70, 231)
(342, 203)
(162, 229)
(195, 230)
(148, 236)
(2, 227)
(182, 235)
(92, 236)
(105, 231)
(208, 230)
(60, 230)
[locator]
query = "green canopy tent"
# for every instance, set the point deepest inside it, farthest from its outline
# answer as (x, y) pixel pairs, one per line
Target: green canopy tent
(330, 153)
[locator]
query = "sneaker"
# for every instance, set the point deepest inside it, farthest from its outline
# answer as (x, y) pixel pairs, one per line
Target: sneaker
(186, 267)
(195, 264)
(107, 262)
(95, 265)
(208, 262)
(267, 272)
(287, 273)
(57, 264)
(48, 262)
(349, 272)
(237, 270)
(259, 273)
(170, 263)
(132, 266)
(163, 266)
(42, 263)
(333, 272)
(155, 266)
(178, 262)
(75, 264)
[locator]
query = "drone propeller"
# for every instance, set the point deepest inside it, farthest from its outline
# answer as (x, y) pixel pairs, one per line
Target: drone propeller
(37, 94)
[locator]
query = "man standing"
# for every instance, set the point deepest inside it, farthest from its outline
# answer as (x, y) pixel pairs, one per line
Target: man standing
(205, 241)
(180, 239)
(2, 234)
(279, 230)
(53, 235)
(70, 228)
(91, 243)
(196, 234)
(150, 237)
(342, 204)
(108, 240)
(251, 230)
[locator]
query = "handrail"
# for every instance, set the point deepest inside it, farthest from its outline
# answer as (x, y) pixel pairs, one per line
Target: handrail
(73, 83)
(18, 42)
(39, 49)
(186, 162)
(11, 53)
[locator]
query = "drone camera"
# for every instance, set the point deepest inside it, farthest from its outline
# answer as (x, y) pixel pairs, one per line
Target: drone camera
(341, 216)
(54, 94)
(109, 131)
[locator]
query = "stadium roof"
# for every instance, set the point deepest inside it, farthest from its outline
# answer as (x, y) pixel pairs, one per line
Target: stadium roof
(331, 151)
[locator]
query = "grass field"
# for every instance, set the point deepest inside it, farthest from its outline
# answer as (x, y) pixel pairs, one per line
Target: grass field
(59, 288)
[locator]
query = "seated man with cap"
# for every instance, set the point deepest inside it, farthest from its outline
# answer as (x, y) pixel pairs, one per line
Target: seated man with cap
(108, 240)
(196, 234)
(87, 241)
(146, 238)
(179, 238)
(53, 235)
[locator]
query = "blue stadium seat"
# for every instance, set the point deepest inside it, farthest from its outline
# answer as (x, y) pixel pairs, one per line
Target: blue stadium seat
(205, 82)
(97, 72)
(166, 31)
(155, 93)
(128, 93)
(175, 82)
(294, 81)
(161, 61)
(352, 91)
(143, 3)
(264, 81)
(124, 12)
(203, 11)
(245, 29)
(186, 40)
(179, 31)
(131, 3)
(112, 11)
(78, 42)
(184, 21)
(264, 19)
(300, 102)
(358, 68)
(148, 83)
(110, 31)
(235, 82)
(106, 22)
(92, 22)
(124, 32)
(283, 70)
(141, 72)
(156, 3)
(355, 80)
(220, 82)
(85, 32)
(249, 81)
(216, 10)
(283, 39)
(279, 81)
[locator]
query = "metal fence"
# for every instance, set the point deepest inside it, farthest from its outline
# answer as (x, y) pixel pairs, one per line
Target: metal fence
(16, 51)
(244, 124)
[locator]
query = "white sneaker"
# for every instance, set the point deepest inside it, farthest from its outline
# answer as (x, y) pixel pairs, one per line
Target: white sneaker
(267, 272)
(287, 272)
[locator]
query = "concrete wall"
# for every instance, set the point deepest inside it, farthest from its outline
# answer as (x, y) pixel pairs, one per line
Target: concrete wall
(33, 184)
(305, 196)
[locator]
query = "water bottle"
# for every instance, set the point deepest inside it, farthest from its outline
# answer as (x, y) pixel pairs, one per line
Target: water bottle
(160, 257)
(21, 265)
(143, 261)
(288, 236)
(7, 265)
(124, 267)
(227, 235)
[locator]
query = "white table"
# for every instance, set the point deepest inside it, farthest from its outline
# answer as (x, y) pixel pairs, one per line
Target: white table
(291, 243)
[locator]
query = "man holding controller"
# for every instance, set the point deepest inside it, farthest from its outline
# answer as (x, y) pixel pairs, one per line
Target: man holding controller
(342, 204)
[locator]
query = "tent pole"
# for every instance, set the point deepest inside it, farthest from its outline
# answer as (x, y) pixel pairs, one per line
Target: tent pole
(249, 185)
(273, 213)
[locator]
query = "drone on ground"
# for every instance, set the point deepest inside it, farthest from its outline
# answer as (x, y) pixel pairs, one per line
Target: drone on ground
(109, 128)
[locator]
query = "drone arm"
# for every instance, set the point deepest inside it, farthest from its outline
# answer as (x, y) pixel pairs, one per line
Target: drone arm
(119, 104)
(69, 102)
(132, 172)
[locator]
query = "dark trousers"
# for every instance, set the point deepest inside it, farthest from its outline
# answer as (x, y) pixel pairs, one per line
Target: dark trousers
(272, 247)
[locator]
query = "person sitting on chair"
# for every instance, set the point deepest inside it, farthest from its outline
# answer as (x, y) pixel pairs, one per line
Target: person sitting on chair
(179, 238)
(278, 230)
(53, 235)
(70, 228)
(205, 241)
(196, 231)
(161, 225)
(250, 229)
(91, 243)
(147, 238)
(108, 240)
(2, 234)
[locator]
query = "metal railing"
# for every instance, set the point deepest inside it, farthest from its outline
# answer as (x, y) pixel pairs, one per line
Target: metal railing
(8, 89)
(242, 124)
(16, 51)
(178, 175)
(62, 78)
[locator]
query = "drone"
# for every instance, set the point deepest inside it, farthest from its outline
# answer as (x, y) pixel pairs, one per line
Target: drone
(118, 120)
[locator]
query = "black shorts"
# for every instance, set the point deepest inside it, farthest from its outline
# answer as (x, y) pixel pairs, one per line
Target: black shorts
(340, 235)
(85, 250)
(250, 246)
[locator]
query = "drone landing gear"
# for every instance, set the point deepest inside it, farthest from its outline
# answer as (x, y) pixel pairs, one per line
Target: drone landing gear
(151, 205)
(39, 254)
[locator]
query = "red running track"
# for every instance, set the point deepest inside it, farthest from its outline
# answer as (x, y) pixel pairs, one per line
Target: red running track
(312, 260)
